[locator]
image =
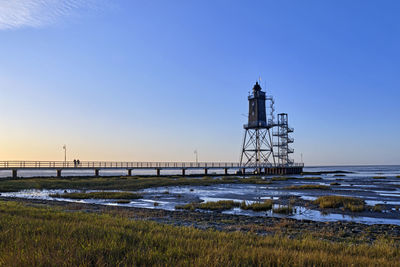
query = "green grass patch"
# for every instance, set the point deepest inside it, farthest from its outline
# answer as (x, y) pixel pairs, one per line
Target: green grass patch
(34, 236)
(308, 187)
(257, 206)
(217, 205)
(99, 195)
(379, 177)
(350, 203)
(398, 176)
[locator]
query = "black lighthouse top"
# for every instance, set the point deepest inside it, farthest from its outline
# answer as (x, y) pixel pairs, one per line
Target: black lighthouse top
(257, 112)
(256, 88)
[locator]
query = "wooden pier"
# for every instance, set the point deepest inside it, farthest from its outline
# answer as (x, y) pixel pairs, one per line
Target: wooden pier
(158, 167)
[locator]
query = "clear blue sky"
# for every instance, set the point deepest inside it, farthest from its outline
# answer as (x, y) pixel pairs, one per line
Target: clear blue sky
(154, 80)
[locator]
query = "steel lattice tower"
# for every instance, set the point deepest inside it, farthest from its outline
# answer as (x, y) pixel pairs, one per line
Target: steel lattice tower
(282, 145)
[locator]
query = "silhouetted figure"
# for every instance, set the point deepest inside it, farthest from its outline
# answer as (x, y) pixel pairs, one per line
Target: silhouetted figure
(78, 162)
(75, 163)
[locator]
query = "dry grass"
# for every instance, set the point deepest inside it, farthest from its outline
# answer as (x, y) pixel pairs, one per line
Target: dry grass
(217, 205)
(378, 177)
(257, 206)
(307, 187)
(99, 195)
(32, 236)
(351, 203)
(335, 183)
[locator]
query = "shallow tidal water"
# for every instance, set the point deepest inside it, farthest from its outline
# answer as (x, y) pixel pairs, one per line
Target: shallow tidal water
(359, 183)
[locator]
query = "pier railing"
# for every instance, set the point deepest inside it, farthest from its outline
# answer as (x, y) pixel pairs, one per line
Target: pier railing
(128, 165)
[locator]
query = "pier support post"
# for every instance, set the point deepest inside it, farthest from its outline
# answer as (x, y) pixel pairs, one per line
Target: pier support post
(226, 171)
(129, 172)
(205, 171)
(183, 172)
(158, 172)
(14, 173)
(58, 173)
(244, 171)
(96, 172)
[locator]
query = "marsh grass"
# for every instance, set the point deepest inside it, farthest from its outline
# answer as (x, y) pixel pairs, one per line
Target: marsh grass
(350, 203)
(33, 236)
(398, 176)
(379, 177)
(99, 195)
(378, 208)
(307, 187)
(257, 206)
(339, 175)
(217, 205)
(335, 183)
(283, 210)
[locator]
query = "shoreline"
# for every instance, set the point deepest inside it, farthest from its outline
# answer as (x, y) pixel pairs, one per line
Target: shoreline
(292, 228)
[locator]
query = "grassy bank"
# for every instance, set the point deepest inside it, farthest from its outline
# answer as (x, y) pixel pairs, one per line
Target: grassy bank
(214, 205)
(31, 236)
(227, 205)
(350, 203)
(257, 206)
(99, 195)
